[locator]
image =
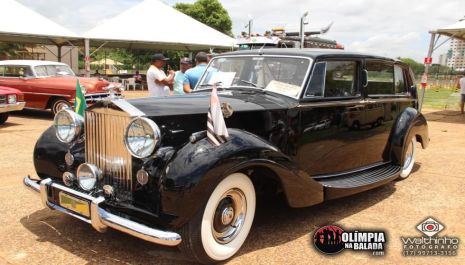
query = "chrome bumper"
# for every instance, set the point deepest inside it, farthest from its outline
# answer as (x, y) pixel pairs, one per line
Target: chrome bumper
(12, 107)
(100, 219)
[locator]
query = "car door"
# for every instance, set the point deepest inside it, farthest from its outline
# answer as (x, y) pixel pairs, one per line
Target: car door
(332, 127)
(387, 96)
(19, 77)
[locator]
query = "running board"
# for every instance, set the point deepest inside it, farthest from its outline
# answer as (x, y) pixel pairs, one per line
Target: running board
(351, 183)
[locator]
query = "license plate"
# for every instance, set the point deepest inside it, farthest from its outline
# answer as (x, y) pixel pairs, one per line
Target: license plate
(74, 204)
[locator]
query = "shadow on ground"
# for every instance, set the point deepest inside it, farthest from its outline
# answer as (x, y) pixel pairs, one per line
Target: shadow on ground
(275, 224)
(448, 116)
(34, 114)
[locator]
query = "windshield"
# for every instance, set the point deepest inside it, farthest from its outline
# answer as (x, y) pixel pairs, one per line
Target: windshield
(53, 70)
(283, 75)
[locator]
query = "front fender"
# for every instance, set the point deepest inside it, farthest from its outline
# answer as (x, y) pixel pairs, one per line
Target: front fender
(410, 123)
(196, 169)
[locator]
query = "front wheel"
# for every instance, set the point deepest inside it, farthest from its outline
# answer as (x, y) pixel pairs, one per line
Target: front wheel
(409, 160)
(59, 104)
(218, 231)
(3, 117)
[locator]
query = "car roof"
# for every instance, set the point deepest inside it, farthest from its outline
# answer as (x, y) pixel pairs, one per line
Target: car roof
(313, 53)
(29, 62)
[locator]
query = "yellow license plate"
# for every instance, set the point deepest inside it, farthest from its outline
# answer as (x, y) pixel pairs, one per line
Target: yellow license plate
(74, 204)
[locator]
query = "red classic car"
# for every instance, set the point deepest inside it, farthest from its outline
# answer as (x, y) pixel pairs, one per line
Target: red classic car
(10, 100)
(49, 85)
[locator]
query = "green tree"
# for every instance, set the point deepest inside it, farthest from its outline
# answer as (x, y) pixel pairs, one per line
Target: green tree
(209, 12)
(417, 67)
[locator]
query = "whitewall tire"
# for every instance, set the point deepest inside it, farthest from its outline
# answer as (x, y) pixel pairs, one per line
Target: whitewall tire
(409, 159)
(224, 224)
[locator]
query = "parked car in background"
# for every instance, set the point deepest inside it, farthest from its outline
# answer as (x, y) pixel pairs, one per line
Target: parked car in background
(49, 85)
(10, 100)
(145, 167)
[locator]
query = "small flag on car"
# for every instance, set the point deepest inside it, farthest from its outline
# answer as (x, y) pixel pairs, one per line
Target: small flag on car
(80, 101)
(217, 132)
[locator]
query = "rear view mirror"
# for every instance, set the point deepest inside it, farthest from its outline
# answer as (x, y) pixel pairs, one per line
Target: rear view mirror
(364, 78)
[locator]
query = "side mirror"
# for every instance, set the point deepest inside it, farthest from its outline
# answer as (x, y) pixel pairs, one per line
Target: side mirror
(364, 78)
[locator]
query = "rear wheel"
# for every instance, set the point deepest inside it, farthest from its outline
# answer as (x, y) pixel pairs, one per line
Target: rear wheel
(59, 104)
(218, 231)
(409, 159)
(3, 117)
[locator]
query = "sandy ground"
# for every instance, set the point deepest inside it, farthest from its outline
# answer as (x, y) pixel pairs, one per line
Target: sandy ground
(30, 234)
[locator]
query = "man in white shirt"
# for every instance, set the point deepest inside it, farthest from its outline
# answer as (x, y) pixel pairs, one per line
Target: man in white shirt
(158, 83)
(462, 92)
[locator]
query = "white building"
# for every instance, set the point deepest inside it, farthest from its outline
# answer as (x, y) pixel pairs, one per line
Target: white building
(457, 50)
(443, 59)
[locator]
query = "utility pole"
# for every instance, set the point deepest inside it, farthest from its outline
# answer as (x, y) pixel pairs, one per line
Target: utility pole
(250, 26)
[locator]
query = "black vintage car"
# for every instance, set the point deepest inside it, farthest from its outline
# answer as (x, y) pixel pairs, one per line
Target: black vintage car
(312, 124)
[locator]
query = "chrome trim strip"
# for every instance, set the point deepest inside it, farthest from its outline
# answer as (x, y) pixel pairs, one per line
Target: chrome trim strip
(128, 107)
(48, 94)
(12, 107)
(101, 219)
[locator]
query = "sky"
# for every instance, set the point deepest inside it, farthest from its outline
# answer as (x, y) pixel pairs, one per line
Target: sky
(390, 28)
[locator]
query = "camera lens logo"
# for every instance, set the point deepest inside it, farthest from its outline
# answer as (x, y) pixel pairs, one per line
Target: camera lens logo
(328, 239)
(430, 227)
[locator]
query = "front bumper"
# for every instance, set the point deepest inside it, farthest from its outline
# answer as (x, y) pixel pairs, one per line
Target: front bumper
(101, 219)
(12, 107)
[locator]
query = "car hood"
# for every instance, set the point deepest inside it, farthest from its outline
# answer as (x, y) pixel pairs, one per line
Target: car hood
(8, 90)
(198, 103)
(92, 85)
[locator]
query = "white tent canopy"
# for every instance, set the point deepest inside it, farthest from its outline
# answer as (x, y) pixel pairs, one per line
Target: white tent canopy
(153, 24)
(20, 24)
(456, 30)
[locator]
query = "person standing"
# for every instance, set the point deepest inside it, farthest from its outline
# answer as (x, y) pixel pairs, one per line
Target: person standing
(184, 65)
(192, 76)
(462, 92)
(157, 82)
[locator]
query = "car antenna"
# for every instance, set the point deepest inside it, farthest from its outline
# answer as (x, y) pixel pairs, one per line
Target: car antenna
(260, 51)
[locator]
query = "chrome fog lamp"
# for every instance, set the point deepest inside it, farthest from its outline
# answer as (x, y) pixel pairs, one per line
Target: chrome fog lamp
(141, 137)
(68, 125)
(88, 175)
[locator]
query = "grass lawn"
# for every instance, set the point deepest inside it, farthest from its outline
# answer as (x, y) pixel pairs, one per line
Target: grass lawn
(442, 98)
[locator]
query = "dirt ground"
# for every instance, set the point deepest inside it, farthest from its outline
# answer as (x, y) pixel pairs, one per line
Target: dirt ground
(30, 234)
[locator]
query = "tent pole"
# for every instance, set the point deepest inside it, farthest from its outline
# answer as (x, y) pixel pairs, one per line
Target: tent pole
(430, 53)
(59, 53)
(87, 57)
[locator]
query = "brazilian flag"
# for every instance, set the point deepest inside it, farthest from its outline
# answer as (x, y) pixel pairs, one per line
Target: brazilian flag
(80, 101)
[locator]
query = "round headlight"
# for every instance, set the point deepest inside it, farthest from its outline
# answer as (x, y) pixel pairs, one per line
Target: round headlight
(87, 176)
(68, 125)
(141, 137)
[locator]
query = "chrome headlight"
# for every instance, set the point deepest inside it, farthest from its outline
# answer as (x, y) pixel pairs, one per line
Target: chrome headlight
(68, 125)
(87, 176)
(11, 99)
(141, 137)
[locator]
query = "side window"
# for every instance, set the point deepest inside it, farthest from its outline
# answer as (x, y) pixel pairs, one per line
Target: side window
(341, 79)
(380, 77)
(317, 81)
(399, 82)
(17, 71)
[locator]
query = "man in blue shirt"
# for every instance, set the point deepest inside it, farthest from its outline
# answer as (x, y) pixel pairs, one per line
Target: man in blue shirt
(184, 65)
(192, 76)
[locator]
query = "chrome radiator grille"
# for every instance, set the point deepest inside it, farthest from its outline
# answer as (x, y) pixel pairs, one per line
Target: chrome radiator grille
(104, 129)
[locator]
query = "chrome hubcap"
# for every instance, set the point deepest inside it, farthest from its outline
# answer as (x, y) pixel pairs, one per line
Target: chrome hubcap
(61, 106)
(229, 216)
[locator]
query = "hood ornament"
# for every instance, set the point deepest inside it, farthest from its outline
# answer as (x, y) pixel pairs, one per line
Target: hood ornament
(226, 109)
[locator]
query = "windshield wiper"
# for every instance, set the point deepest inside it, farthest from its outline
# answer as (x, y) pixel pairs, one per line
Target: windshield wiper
(248, 82)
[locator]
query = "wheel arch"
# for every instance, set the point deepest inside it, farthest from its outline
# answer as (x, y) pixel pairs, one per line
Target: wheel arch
(410, 123)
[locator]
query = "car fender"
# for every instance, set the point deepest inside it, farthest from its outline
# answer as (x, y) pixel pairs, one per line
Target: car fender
(195, 170)
(409, 123)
